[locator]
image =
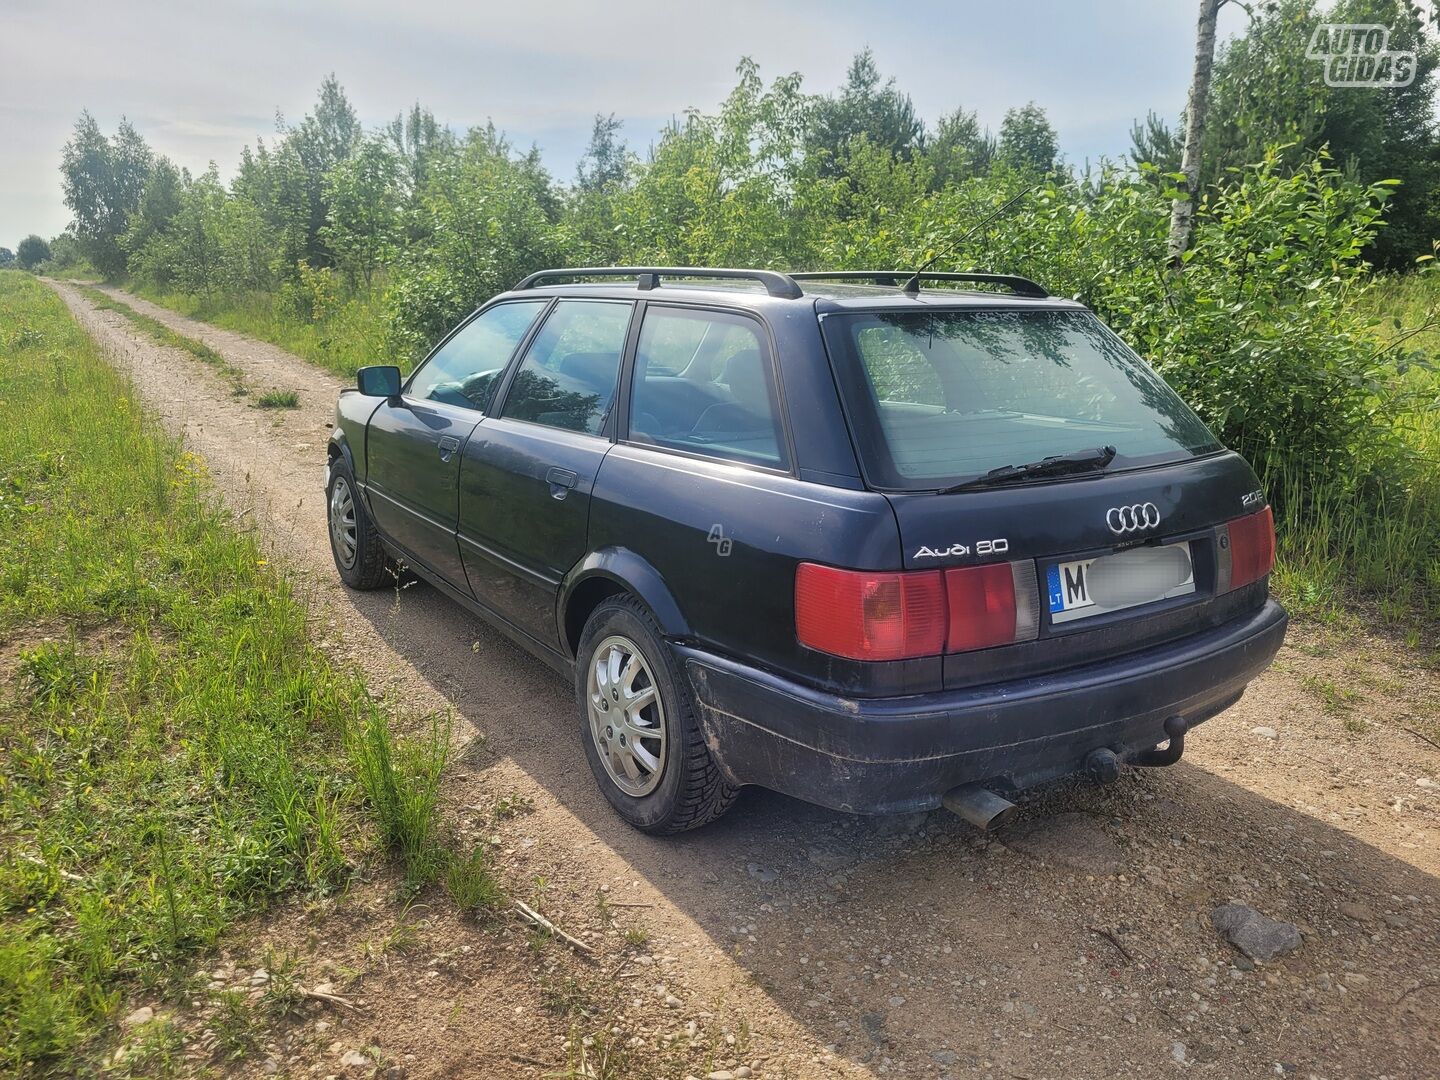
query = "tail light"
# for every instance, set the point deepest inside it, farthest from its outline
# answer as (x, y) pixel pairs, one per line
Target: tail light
(991, 605)
(868, 615)
(1247, 550)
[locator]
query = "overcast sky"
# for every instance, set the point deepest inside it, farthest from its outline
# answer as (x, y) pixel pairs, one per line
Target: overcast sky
(201, 80)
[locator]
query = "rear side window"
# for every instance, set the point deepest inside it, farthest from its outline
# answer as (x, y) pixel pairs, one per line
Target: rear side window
(567, 379)
(703, 383)
(465, 370)
(938, 398)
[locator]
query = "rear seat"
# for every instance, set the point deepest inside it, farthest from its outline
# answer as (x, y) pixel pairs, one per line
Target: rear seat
(668, 405)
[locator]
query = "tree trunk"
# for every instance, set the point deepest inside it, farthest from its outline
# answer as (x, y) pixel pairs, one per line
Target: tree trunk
(1182, 214)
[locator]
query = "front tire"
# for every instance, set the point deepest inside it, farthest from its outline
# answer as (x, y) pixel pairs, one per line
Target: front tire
(354, 543)
(638, 726)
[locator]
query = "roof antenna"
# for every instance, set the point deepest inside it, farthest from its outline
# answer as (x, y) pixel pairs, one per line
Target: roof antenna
(913, 285)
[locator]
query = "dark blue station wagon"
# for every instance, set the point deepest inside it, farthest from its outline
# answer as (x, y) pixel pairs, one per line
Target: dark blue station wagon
(877, 546)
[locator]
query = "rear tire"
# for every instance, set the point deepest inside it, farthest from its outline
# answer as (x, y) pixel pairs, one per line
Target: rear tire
(355, 545)
(638, 725)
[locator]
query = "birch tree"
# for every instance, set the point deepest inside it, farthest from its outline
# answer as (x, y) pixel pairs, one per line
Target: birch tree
(1182, 213)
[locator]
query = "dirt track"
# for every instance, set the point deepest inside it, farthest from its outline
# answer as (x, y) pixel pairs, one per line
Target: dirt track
(913, 947)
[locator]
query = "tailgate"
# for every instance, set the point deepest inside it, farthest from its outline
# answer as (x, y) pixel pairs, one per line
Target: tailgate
(1122, 561)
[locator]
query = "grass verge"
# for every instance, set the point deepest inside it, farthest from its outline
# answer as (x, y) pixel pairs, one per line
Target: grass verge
(341, 332)
(174, 752)
(161, 334)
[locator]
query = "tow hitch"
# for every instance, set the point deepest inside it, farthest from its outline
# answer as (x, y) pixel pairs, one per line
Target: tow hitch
(985, 810)
(1103, 765)
(1175, 728)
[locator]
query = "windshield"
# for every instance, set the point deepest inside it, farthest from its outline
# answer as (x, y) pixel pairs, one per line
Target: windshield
(938, 398)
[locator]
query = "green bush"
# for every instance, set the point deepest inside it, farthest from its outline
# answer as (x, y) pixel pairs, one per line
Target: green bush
(480, 223)
(1261, 332)
(33, 251)
(312, 295)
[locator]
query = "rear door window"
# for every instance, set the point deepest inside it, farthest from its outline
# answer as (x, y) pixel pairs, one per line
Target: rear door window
(567, 379)
(466, 369)
(941, 397)
(704, 384)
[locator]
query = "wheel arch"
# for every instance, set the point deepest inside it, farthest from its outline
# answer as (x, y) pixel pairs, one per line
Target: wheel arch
(612, 572)
(339, 447)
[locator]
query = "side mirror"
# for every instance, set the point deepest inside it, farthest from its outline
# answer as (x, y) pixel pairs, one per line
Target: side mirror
(380, 380)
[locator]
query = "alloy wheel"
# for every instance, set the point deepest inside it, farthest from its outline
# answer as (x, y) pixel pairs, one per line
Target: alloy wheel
(342, 523)
(627, 718)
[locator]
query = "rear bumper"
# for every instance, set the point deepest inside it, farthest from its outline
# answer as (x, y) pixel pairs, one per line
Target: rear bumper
(891, 755)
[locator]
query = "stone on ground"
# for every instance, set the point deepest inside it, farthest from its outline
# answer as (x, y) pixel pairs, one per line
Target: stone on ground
(1257, 936)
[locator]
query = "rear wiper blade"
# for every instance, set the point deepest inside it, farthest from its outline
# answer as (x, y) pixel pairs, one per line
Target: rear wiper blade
(1076, 461)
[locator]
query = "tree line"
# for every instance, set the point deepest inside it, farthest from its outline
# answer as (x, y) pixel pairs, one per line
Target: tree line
(454, 215)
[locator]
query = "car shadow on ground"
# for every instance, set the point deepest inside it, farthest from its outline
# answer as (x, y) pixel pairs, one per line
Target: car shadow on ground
(917, 946)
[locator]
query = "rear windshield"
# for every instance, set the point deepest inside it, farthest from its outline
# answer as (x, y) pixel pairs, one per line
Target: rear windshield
(938, 398)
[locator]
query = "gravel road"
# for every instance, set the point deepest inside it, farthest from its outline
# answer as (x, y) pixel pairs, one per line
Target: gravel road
(1079, 944)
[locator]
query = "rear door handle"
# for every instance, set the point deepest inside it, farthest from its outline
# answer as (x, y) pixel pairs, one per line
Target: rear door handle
(448, 445)
(561, 481)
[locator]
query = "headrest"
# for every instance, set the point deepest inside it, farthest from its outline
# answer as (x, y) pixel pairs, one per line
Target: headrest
(745, 375)
(595, 369)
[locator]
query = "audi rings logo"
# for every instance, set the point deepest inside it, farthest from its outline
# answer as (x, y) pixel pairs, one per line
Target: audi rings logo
(1129, 519)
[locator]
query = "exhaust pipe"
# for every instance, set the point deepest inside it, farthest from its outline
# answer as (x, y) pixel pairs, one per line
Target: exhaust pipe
(1175, 728)
(980, 806)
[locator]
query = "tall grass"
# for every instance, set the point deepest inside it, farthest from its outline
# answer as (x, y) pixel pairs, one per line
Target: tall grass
(278, 399)
(174, 752)
(1334, 550)
(1378, 541)
(341, 335)
(401, 780)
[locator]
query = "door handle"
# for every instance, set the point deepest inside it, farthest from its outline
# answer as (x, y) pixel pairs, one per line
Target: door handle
(448, 445)
(561, 481)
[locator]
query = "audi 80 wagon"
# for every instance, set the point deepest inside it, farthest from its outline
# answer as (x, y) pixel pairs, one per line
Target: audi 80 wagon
(868, 539)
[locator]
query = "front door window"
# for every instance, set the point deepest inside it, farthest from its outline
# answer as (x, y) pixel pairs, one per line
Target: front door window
(466, 369)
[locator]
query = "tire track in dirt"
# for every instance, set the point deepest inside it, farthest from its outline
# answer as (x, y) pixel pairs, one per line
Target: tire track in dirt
(912, 946)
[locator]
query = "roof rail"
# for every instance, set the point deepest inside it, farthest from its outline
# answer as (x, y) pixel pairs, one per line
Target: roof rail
(1019, 285)
(880, 277)
(648, 277)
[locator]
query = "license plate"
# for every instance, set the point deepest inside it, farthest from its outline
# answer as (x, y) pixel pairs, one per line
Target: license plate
(1144, 575)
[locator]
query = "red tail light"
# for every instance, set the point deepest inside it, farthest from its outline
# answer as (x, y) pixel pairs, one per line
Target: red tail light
(986, 605)
(868, 615)
(1247, 550)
